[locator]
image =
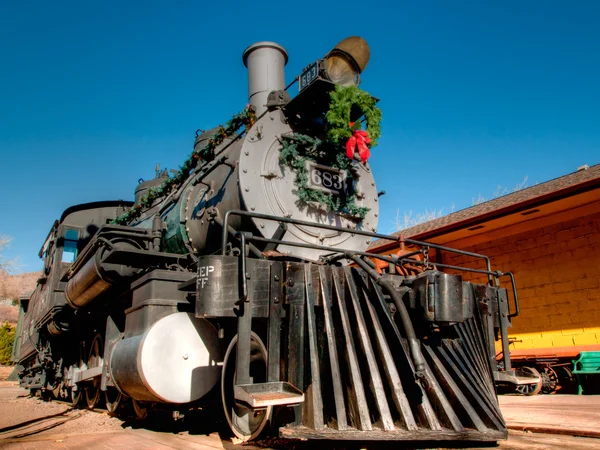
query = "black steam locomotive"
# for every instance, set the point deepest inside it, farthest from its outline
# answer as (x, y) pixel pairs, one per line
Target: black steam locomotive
(246, 276)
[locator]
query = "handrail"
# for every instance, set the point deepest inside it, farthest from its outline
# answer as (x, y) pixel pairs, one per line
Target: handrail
(393, 259)
(238, 212)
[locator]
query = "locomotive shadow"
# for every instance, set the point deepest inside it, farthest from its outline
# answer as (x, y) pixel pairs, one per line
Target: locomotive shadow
(195, 423)
(212, 420)
(288, 444)
(202, 420)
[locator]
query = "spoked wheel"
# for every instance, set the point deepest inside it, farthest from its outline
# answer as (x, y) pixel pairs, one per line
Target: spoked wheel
(92, 389)
(57, 392)
(533, 388)
(140, 411)
(52, 389)
(114, 399)
(73, 394)
(550, 382)
(568, 383)
(76, 396)
(245, 422)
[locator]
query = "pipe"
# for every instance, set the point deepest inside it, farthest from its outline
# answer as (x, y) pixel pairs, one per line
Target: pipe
(157, 225)
(265, 62)
(255, 251)
(413, 342)
(453, 250)
(239, 212)
(91, 280)
(87, 283)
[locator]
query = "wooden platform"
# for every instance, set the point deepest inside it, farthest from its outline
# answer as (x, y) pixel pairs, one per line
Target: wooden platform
(397, 435)
(577, 415)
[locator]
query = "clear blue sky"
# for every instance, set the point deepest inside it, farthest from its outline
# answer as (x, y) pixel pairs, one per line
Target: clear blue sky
(474, 94)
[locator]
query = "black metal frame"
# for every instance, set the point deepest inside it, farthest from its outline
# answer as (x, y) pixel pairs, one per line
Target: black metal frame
(248, 238)
(332, 335)
(359, 257)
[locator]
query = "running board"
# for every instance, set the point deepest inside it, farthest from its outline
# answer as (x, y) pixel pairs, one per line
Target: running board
(84, 375)
(262, 395)
(504, 377)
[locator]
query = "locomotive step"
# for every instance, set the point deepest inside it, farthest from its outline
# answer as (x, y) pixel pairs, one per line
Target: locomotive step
(506, 377)
(261, 395)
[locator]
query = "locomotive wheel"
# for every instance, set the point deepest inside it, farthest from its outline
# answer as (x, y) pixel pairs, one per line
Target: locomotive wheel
(92, 388)
(57, 391)
(568, 383)
(245, 422)
(550, 383)
(533, 388)
(141, 412)
(114, 399)
(76, 396)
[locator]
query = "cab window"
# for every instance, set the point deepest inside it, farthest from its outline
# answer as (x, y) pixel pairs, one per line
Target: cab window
(70, 246)
(48, 257)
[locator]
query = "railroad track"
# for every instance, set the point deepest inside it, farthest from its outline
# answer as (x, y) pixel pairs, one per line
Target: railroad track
(35, 426)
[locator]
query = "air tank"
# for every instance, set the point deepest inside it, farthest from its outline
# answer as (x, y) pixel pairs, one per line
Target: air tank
(94, 278)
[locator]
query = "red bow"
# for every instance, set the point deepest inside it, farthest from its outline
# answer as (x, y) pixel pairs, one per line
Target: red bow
(359, 139)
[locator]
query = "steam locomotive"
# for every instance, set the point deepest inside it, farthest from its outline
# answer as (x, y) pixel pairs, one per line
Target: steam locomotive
(222, 282)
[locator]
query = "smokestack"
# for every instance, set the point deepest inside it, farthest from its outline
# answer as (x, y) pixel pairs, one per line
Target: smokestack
(265, 62)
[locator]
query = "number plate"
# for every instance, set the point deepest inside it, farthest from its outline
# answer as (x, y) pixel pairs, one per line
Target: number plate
(327, 179)
(308, 76)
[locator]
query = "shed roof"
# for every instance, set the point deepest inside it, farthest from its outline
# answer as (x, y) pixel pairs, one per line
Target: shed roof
(540, 193)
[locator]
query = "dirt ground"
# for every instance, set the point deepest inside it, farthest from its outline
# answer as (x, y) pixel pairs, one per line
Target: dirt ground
(17, 407)
(31, 423)
(5, 372)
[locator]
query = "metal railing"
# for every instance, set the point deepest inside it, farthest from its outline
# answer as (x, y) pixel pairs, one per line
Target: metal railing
(336, 252)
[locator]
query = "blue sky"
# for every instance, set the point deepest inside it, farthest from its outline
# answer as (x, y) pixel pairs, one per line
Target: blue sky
(474, 94)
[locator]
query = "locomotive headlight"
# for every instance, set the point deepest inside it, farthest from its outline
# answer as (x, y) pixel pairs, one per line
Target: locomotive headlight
(340, 70)
(344, 64)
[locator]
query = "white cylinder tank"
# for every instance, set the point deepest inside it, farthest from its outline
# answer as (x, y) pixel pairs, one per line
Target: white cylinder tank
(174, 361)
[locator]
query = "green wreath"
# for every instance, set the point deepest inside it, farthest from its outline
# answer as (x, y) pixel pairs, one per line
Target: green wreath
(346, 100)
(298, 148)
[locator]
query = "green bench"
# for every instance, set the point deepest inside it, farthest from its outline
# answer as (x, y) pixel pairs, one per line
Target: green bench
(587, 364)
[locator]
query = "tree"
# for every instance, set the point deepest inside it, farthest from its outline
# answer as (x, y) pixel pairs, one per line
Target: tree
(410, 220)
(6, 265)
(501, 191)
(7, 339)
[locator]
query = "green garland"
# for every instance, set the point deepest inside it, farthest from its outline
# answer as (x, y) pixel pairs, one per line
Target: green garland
(207, 153)
(298, 148)
(347, 101)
